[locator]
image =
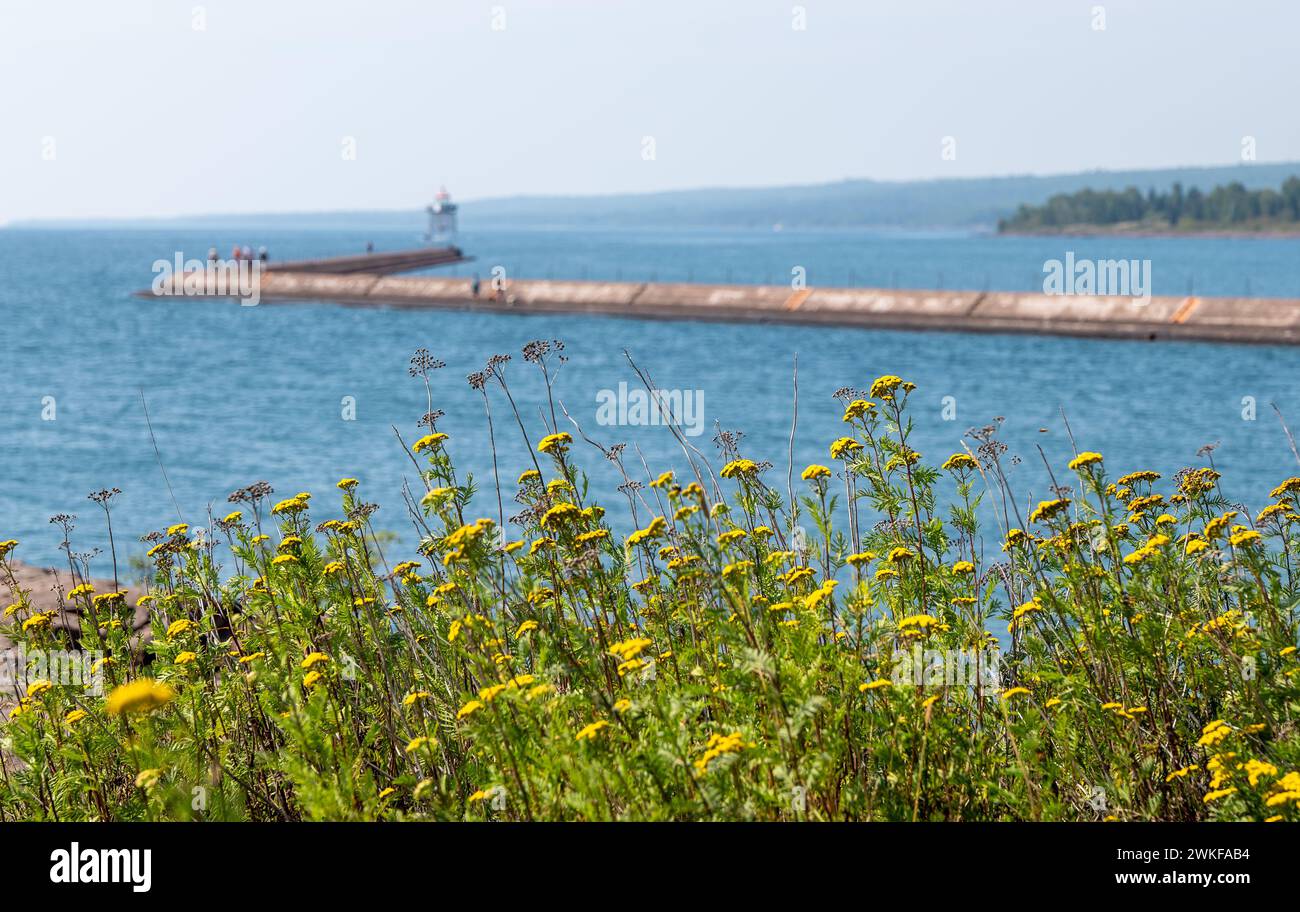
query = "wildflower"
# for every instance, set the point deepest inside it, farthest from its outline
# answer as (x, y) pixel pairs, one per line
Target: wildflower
(78, 591)
(74, 717)
(1046, 509)
(147, 778)
(141, 695)
(731, 535)
(415, 696)
(876, 684)
(1218, 793)
(814, 472)
(1148, 550)
(906, 457)
(311, 679)
(1015, 692)
(589, 732)
(1271, 512)
(525, 627)
(284, 559)
(796, 575)
(488, 694)
(1290, 486)
(1214, 528)
(469, 709)
(314, 658)
(559, 514)
(958, 462)
(1214, 733)
(631, 665)
(630, 649)
(963, 567)
(1014, 537)
(734, 568)
(292, 505)
(184, 625)
(917, 624)
(857, 408)
(37, 621)
(1255, 769)
(539, 690)
(717, 746)
(883, 387)
(861, 557)
(623, 705)
(186, 657)
(24, 706)
(663, 480)
(1085, 458)
(1024, 610)
(1243, 537)
(739, 467)
(656, 528)
(844, 447)
(422, 741)
(555, 443)
(1196, 546)
(899, 554)
(428, 442)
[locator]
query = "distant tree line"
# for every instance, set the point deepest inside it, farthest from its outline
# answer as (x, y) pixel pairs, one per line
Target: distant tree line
(1228, 206)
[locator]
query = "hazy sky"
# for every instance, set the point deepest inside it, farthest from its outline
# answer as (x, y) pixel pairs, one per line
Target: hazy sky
(130, 108)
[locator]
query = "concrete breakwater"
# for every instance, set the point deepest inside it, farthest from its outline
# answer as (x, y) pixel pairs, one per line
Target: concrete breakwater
(1251, 320)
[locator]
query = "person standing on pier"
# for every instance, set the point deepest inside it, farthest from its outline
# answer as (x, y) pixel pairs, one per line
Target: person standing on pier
(474, 286)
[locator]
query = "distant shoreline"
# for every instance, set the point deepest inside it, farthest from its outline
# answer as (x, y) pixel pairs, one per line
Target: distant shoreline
(1146, 231)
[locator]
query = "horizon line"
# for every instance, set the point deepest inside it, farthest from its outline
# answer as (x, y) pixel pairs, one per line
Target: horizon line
(640, 194)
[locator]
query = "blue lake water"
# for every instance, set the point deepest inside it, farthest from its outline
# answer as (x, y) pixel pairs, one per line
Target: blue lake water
(241, 394)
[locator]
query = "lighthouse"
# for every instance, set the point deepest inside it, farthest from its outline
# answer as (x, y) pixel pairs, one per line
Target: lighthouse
(442, 219)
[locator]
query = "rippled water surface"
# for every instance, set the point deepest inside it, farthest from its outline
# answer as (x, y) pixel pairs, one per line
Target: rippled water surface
(240, 394)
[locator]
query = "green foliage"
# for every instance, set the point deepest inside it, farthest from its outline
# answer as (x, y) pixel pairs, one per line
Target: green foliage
(1229, 206)
(714, 664)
